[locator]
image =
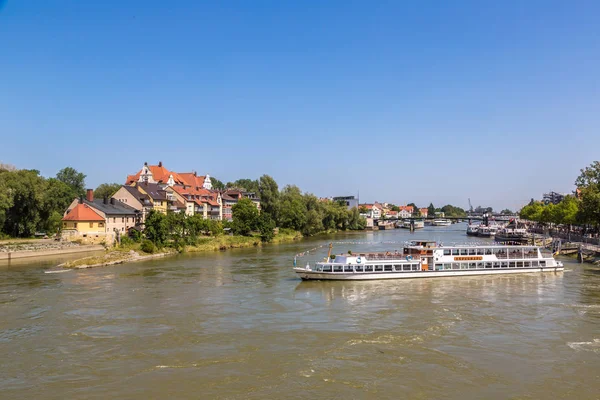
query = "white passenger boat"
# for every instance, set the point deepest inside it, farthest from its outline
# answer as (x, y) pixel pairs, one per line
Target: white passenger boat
(425, 259)
(441, 222)
(418, 224)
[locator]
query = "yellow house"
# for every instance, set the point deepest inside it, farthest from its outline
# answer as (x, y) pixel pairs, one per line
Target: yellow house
(85, 223)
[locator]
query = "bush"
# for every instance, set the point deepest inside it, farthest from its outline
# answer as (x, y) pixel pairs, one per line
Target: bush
(148, 247)
(127, 241)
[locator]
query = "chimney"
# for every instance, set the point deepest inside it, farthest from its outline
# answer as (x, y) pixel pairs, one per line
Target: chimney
(105, 200)
(112, 201)
(80, 199)
(145, 163)
(160, 163)
(90, 195)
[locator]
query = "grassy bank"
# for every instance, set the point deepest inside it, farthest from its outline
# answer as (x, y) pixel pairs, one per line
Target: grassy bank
(133, 252)
(236, 242)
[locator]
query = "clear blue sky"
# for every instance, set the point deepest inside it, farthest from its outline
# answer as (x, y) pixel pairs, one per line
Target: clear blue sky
(423, 101)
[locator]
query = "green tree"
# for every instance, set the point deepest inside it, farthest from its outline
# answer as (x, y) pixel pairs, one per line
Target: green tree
(452, 211)
(269, 196)
(6, 198)
(590, 205)
(567, 211)
(25, 196)
(590, 176)
(266, 227)
(431, 210)
(106, 190)
(293, 210)
(506, 211)
(248, 185)
(548, 214)
(157, 230)
(217, 184)
(73, 178)
(55, 199)
(532, 212)
(245, 217)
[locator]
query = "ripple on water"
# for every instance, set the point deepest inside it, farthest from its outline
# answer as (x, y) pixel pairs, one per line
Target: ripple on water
(115, 331)
(8, 335)
(593, 346)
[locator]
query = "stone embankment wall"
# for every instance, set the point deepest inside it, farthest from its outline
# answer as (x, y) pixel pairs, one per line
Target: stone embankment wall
(16, 250)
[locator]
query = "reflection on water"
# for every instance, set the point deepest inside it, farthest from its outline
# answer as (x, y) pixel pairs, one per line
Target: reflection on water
(241, 325)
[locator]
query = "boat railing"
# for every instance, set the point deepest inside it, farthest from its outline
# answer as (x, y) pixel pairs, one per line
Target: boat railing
(390, 256)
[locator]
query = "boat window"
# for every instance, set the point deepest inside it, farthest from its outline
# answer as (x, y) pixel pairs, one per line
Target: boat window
(455, 252)
(542, 263)
(496, 264)
(512, 264)
(472, 265)
(504, 264)
(534, 264)
(527, 264)
(488, 252)
(488, 265)
(407, 267)
(388, 268)
(447, 266)
(359, 268)
(398, 267)
(348, 268)
(464, 252)
(447, 252)
(472, 252)
(415, 267)
(479, 265)
(455, 266)
(439, 267)
(464, 266)
(519, 264)
(480, 252)
(368, 268)
(378, 268)
(326, 268)
(337, 268)
(501, 253)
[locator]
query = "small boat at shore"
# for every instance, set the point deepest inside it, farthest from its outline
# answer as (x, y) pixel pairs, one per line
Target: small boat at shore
(427, 259)
(487, 230)
(417, 224)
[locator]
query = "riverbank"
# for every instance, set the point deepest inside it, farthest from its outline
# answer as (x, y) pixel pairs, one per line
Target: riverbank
(24, 248)
(133, 253)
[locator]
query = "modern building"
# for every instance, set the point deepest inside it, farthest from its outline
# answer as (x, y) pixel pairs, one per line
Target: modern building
(553, 197)
(350, 201)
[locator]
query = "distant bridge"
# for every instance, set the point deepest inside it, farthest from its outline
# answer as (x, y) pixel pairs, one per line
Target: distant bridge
(499, 217)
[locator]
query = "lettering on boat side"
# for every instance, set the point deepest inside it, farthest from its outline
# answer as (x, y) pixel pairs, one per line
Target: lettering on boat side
(473, 258)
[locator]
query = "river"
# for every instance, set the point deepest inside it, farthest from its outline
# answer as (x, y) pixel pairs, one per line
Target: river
(240, 325)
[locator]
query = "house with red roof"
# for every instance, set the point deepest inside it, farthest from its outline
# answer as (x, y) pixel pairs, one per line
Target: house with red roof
(405, 211)
(424, 212)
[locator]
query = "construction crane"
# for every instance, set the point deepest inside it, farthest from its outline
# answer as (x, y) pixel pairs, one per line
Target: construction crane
(470, 206)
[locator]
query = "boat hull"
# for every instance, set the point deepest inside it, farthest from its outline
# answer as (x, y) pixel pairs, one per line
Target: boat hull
(340, 276)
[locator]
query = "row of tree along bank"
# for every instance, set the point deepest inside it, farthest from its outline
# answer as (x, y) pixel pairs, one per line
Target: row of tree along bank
(582, 208)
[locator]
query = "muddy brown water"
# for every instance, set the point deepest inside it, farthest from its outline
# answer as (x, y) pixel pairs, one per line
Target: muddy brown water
(240, 325)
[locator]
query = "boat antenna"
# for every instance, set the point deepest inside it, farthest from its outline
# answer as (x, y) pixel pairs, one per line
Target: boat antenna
(329, 252)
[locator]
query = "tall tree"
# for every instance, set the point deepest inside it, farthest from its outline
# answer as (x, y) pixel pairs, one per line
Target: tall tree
(431, 210)
(590, 176)
(217, 184)
(269, 196)
(106, 190)
(248, 185)
(25, 187)
(293, 210)
(73, 178)
(56, 197)
(245, 217)
(156, 229)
